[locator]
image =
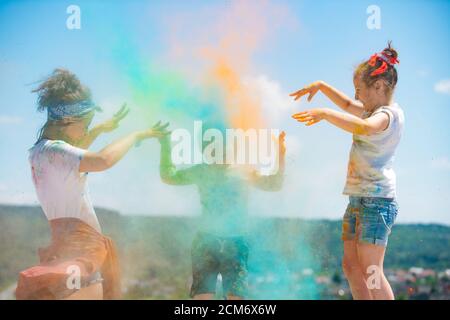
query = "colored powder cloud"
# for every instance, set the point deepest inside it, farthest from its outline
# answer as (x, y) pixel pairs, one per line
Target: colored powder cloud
(204, 75)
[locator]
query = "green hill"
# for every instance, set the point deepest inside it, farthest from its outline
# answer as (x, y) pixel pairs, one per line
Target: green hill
(155, 251)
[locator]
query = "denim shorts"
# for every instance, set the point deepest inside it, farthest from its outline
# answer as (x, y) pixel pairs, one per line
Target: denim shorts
(369, 219)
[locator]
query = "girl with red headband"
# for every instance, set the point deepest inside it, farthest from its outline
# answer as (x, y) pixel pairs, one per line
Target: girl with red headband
(376, 123)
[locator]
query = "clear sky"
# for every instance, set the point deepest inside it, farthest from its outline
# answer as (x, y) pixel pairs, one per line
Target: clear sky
(313, 40)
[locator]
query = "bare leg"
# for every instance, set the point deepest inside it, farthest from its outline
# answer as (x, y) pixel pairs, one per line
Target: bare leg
(371, 258)
(204, 296)
(353, 272)
(93, 292)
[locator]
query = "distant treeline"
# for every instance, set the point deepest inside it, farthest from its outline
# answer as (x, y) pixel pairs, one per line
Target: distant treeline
(157, 249)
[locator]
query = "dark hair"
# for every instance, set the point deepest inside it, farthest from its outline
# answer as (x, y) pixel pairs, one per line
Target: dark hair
(366, 69)
(61, 87)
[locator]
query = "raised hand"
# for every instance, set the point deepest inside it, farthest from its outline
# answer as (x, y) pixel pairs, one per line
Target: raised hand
(310, 89)
(282, 143)
(158, 131)
(113, 123)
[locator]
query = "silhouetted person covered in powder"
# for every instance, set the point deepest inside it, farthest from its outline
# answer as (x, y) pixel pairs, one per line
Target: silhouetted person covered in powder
(220, 245)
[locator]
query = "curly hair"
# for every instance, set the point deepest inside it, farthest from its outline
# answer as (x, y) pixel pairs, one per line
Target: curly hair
(62, 87)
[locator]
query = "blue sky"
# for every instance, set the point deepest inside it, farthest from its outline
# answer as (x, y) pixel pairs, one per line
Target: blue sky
(322, 40)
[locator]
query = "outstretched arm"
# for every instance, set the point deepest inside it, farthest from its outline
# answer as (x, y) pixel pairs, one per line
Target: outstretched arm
(112, 153)
(339, 98)
(107, 126)
(272, 182)
(167, 170)
(350, 123)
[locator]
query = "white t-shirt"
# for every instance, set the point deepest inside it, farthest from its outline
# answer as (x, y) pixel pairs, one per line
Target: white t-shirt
(370, 168)
(61, 189)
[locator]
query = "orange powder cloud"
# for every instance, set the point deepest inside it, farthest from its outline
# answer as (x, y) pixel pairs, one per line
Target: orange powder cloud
(216, 47)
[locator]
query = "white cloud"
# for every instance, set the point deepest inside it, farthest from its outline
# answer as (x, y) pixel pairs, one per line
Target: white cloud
(293, 146)
(5, 119)
(442, 86)
(441, 163)
(276, 103)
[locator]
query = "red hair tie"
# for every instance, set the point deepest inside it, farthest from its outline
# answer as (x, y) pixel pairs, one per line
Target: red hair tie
(385, 60)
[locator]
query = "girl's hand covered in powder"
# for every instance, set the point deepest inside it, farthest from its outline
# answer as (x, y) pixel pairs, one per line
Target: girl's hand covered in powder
(113, 123)
(157, 131)
(311, 116)
(282, 143)
(311, 89)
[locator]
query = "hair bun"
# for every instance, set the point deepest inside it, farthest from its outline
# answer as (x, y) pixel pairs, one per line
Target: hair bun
(390, 51)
